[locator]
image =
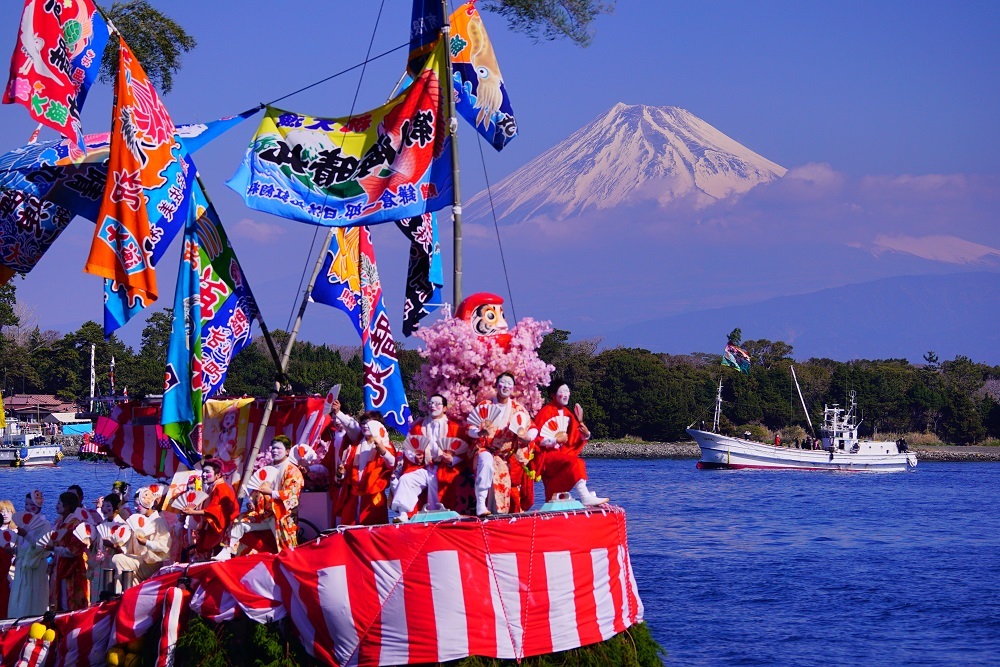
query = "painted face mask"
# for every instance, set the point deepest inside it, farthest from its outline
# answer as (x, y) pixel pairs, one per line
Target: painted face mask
(562, 395)
(278, 451)
(436, 406)
(505, 387)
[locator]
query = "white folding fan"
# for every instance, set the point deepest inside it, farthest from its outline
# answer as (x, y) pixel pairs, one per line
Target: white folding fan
(485, 412)
(519, 420)
(139, 524)
(29, 521)
(45, 540)
(84, 532)
(116, 533)
(9, 538)
(303, 455)
(192, 499)
(456, 446)
(418, 443)
(267, 474)
(554, 426)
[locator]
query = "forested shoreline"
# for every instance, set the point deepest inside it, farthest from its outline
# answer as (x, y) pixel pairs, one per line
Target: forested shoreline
(625, 392)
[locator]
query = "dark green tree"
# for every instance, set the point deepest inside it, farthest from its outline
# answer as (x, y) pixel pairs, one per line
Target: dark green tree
(551, 19)
(156, 40)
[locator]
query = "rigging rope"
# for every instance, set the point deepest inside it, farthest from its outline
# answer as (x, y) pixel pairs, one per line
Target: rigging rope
(496, 226)
(344, 71)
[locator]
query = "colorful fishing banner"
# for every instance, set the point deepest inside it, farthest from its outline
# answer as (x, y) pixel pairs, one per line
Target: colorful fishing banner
(42, 188)
(350, 281)
(736, 357)
(424, 274)
(213, 312)
(480, 94)
(57, 58)
(28, 226)
(427, 19)
(148, 189)
(378, 166)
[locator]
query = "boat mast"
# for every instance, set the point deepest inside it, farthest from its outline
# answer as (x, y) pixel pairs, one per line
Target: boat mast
(93, 376)
(799, 389)
(456, 207)
(718, 408)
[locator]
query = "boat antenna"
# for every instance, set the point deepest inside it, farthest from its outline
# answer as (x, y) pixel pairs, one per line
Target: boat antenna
(718, 407)
(808, 420)
(283, 364)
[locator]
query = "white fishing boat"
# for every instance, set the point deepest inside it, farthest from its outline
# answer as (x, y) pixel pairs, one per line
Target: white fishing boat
(24, 444)
(840, 449)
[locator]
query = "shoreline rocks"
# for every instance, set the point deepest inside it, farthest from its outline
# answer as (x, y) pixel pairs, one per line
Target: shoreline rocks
(690, 450)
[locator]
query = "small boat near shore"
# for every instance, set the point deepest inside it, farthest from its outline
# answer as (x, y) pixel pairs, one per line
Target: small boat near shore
(839, 447)
(25, 445)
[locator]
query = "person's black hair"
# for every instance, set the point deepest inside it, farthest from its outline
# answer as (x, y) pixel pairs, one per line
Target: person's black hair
(370, 415)
(70, 501)
(77, 489)
(441, 396)
(214, 464)
(114, 500)
(555, 384)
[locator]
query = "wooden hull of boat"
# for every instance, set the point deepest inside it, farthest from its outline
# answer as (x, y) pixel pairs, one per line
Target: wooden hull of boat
(724, 452)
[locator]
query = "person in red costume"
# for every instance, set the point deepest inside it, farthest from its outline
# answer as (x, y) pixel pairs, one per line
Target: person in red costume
(367, 471)
(559, 463)
(345, 434)
(437, 467)
(498, 440)
(217, 513)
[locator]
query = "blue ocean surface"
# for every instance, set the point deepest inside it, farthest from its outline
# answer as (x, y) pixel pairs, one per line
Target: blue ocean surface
(777, 568)
(814, 568)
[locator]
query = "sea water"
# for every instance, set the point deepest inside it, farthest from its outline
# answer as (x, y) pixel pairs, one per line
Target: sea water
(754, 567)
(777, 567)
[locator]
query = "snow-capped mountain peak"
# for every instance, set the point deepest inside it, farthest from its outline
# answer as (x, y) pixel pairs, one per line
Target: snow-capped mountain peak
(629, 154)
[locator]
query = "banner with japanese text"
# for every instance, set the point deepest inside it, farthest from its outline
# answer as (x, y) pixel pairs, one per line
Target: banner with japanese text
(57, 58)
(349, 281)
(147, 192)
(378, 166)
(480, 94)
(424, 273)
(213, 312)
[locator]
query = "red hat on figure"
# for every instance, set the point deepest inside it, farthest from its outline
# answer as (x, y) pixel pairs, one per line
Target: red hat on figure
(484, 311)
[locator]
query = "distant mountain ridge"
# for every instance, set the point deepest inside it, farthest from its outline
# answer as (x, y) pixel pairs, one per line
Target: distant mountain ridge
(898, 317)
(627, 155)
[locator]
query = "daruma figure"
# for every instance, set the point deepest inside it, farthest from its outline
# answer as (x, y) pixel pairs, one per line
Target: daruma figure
(484, 313)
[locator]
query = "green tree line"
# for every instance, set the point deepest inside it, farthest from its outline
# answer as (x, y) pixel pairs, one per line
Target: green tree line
(625, 392)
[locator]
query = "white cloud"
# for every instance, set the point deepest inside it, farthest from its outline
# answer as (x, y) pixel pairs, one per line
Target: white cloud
(950, 249)
(261, 232)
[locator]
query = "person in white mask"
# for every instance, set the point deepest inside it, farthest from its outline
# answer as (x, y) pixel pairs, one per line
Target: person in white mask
(561, 437)
(498, 440)
(149, 545)
(434, 468)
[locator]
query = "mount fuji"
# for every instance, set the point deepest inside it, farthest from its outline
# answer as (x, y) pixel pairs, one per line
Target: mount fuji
(629, 155)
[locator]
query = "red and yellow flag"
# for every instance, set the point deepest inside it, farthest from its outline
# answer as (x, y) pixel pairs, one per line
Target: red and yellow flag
(144, 159)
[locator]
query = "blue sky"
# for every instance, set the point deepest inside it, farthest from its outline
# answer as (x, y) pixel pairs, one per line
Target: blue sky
(867, 91)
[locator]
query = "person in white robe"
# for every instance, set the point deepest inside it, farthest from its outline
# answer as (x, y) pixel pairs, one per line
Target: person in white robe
(29, 592)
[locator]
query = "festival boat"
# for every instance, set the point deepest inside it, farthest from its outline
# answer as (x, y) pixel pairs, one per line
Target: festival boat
(440, 587)
(24, 445)
(840, 448)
